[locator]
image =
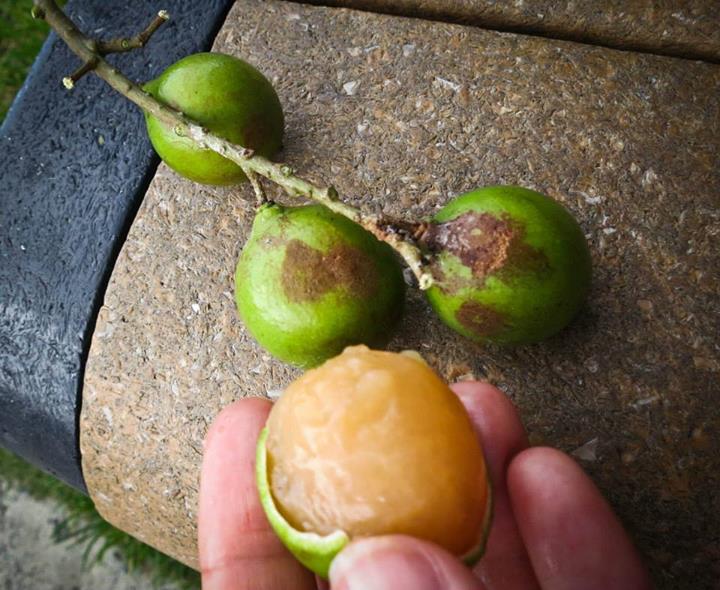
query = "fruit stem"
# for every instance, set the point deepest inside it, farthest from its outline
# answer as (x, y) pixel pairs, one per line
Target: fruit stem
(260, 196)
(397, 234)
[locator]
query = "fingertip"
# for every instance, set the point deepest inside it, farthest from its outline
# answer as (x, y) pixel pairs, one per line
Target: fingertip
(249, 412)
(475, 388)
(481, 398)
(537, 464)
(551, 455)
(572, 536)
(398, 561)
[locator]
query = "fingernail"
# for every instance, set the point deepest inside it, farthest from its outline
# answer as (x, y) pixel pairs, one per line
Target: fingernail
(374, 565)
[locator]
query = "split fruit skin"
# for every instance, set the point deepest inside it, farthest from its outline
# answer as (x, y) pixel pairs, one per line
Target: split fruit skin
(512, 265)
(310, 282)
(230, 98)
(372, 443)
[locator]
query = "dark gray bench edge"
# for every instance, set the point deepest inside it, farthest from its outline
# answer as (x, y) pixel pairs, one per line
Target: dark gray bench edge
(74, 167)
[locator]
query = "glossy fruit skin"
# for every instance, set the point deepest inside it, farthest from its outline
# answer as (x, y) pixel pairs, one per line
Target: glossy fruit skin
(310, 282)
(372, 443)
(523, 272)
(229, 97)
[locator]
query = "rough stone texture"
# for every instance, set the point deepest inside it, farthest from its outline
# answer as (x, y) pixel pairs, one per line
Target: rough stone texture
(401, 114)
(73, 170)
(670, 27)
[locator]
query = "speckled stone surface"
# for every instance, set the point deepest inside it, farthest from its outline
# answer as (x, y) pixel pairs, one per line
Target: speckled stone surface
(670, 27)
(401, 114)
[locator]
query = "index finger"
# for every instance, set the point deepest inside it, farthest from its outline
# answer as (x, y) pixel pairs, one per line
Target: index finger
(506, 563)
(238, 549)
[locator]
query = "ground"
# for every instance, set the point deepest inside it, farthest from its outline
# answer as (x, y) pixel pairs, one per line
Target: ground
(29, 558)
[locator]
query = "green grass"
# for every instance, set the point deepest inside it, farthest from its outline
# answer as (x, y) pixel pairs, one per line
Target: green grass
(21, 37)
(82, 525)
(20, 40)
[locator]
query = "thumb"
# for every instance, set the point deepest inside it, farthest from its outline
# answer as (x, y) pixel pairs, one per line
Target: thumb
(396, 561)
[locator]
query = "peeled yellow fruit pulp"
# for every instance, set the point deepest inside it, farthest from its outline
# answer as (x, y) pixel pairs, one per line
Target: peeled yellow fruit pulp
(374, 443)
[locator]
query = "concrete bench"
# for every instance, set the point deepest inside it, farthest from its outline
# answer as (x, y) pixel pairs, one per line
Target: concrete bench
(402, 113)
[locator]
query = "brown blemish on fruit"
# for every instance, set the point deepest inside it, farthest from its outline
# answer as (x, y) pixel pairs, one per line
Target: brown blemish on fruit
(256, 133)
(487, 245)
(480, 319)
(307, 273)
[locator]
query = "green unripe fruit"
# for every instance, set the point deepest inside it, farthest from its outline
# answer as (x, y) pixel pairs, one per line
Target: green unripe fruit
(512, 266)
(230, 98)
(310, 282)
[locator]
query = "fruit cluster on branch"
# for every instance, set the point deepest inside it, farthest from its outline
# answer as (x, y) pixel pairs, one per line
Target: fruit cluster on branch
(92, 53)
(502, 264)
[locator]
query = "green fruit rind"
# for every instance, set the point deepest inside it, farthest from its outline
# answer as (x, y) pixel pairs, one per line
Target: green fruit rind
(517, 307)
(314, 551)
(230, 98)
(474, 555)
(305, 329)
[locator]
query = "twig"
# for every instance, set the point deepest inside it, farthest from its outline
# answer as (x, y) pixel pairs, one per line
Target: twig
(136, 42)
(260, 196)
(88, 66)
(398, 235)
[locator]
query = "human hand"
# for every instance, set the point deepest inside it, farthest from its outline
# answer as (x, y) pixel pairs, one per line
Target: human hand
(552, 530)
